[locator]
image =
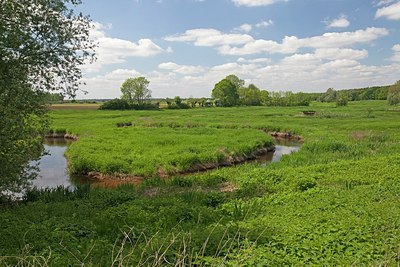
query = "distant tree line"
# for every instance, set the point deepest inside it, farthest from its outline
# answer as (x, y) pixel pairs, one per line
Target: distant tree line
(231, 91)
(368, 93)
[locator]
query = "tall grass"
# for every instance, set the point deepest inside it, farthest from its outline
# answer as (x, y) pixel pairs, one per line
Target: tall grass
(335, 202)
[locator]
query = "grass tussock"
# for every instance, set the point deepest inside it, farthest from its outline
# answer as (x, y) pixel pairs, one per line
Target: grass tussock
(335, 202)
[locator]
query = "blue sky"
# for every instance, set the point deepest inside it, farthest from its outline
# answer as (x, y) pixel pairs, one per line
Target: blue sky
(184, 47)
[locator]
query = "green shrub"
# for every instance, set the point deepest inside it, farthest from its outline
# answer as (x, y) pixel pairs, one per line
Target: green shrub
(303, 184)
(115, 104)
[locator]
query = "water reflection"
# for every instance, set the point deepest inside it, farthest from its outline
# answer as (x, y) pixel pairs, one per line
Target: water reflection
(54, 167)
(282, 147)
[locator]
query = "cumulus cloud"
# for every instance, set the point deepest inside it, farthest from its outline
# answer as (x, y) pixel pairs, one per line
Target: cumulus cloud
(331, 61)
(305, 72)
(244, 28)
(115, 50)
(244, 44)
(308, 72)
(181, 69)
(255, 60)
(396, 53)
(385, 2)
(341, 53)
(254, 3)
(291, 44)
(390, 12)
(210, 37)
(342, 39)
(264, 23)
(340, 22)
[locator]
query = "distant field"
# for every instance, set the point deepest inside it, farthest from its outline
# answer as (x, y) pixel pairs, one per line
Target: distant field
(74, 106)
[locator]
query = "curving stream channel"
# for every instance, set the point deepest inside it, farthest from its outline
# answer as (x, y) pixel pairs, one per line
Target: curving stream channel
(54, 166)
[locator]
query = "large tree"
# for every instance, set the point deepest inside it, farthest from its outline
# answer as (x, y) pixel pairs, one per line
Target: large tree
(42, 45)
(226, 90)
(136, 90)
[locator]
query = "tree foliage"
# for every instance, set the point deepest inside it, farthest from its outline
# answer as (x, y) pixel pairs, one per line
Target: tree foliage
(394, 94)
(236, 81)
(42, 45)
(342, 99)
(368, 93)
(250, 96)
(53, 97)
(231, 91)
(135, 90)
(46, 41)
(226, 91)
(116, 104)
(329, 95)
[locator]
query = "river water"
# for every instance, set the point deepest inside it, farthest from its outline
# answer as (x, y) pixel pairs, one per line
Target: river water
(54, 167)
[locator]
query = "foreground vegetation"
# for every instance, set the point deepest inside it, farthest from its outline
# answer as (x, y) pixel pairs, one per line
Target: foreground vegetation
(335, 202)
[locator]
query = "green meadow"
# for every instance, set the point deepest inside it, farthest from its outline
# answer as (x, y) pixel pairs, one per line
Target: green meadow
(335, 202)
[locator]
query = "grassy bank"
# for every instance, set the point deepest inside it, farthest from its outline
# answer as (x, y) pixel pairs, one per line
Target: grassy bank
(335, 202)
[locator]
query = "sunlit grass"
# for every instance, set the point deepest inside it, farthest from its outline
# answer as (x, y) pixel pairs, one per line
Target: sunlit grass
(335, 202)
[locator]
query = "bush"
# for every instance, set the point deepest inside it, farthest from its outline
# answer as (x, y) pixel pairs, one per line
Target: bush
(115, 104)
(393, 99)
(304, 184)
(394, 94)
(178, 106)
(341, 99)
(145, 106)
(121, 104)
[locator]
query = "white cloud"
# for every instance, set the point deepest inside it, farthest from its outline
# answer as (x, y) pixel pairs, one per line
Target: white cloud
(210, 37)
(244, 27)
(342, 39)
(288, 46)
(385, 2)
(340, 53)
(256, 60)
(396, 53)
(340, 22)
(307, 72)
(107, 85)
(244, 44)
(390, 12)
(264, 23)
(181, 69)
(114, 50)
(249, 27)
(253, 3)
(332, 61)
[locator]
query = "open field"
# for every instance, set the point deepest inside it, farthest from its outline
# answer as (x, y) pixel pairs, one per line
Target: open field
(334, 203)
(74, 106)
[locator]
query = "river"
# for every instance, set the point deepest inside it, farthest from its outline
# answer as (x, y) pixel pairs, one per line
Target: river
(54, 167)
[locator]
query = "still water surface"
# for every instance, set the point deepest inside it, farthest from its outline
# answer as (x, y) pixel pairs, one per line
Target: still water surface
(54, 166)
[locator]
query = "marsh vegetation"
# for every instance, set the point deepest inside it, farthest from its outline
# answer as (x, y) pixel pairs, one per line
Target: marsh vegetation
(334, 202)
